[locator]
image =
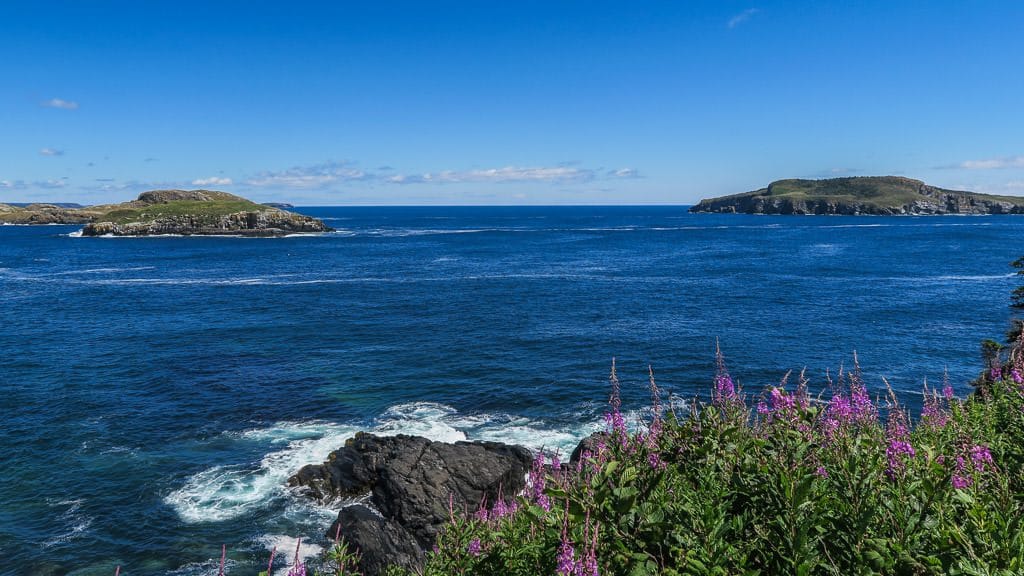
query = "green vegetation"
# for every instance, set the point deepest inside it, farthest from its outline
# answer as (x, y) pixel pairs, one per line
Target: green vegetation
(885, 190)
(867, 194)
(201, 211)
(789, 485)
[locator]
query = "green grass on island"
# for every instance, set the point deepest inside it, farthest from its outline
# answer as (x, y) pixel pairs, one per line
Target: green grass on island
(863, 194)
(198, 210)
(879, 190)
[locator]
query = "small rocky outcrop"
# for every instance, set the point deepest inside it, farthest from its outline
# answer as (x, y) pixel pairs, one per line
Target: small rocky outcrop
(381, 541)
(411, 482)
(589, 444)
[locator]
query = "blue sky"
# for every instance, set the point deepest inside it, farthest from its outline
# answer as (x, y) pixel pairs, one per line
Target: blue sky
(504, 102)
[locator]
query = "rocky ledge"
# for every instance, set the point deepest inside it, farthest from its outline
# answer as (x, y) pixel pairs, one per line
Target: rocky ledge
(42, 214)
(866, 195)
(197, 213)
(407, 485)
(271, 222)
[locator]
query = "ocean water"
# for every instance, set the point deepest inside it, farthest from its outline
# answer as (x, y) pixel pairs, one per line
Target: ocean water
(157, 392)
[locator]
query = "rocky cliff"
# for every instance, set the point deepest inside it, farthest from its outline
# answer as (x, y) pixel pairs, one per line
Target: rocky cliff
(196, 213)
(410, 485)
(874, 195)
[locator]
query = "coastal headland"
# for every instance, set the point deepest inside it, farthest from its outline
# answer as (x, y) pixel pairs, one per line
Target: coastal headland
(864, 195)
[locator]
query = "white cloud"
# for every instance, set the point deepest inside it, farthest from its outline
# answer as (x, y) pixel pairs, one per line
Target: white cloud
(993, 163)
(51, 152)
(541, 174)
(51, 183)
(322, 176)
(212, 181)
(59, 103)
(308, 177)
(115, 185)
(623, 173)
(742, 17)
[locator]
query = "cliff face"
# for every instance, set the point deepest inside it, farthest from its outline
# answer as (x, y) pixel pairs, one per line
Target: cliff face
(269, 222)
(887, 195)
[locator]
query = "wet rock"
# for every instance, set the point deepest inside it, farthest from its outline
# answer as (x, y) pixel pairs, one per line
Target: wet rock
(380, 541)
(588, 444)
(412, 482)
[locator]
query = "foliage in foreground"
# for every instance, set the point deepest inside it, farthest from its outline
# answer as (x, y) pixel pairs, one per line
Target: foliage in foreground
(777, 484)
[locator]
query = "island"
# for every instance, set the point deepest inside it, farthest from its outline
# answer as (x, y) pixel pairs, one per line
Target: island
(43, 214)
(863, 195)
(171, 212)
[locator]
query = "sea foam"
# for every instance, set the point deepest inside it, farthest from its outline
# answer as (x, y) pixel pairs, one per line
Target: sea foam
(229, 491)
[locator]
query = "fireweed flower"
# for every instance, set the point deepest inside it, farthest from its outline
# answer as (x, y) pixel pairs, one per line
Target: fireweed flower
(613, 419)
(960, 482)
(654, 461)
(947, 391)
(298, 567)
(820, 471)
(978, 461)
(861, 407)
(849, 408)
(481, 514)
(996, 372)
(778, 405)
(654, 431)
(588, 567)
(932, 414)
(981, 458)
(538, 480)
(566, 558)
(502, 509)
(725, 388)
(899, 447)
(474, 547)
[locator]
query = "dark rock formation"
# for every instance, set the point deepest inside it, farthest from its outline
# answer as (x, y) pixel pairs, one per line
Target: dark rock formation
(411, 481)
(588, 444)
(380, 541)
(269, 222)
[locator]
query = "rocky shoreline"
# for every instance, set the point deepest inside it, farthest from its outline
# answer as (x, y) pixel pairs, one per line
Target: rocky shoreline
(407, 488)
(265, 223)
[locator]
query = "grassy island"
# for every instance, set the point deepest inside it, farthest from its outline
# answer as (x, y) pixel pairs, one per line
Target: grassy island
(876, 195)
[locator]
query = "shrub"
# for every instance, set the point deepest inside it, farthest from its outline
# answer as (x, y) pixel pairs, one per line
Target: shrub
(778, 484)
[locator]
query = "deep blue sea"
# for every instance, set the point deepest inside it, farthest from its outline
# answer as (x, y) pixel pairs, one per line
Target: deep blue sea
(158, 392)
